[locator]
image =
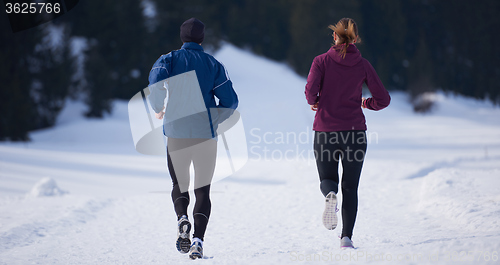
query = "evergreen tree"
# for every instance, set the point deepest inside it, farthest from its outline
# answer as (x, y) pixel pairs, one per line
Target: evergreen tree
(50, 74)
(34, 78)
(15, 103)
(468, 58)
(384, 32)
(115, 64)
(308, 27)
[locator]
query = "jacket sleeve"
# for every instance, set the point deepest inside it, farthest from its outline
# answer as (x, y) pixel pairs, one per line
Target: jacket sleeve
(157, 76)
(223, 89)
(380, 97)
(314, 81)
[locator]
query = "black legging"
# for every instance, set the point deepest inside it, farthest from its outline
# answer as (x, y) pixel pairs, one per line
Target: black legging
(203, 160)
(349, 147)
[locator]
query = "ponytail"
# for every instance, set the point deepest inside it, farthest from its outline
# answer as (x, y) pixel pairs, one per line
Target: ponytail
(347, 31)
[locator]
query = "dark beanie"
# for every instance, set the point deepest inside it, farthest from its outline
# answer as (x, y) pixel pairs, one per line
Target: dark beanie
(192, 30)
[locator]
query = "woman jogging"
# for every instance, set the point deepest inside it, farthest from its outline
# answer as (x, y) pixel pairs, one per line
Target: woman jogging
(334, 91)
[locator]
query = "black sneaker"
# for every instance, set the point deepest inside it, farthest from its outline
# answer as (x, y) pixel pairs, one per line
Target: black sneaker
(183, 243)
(196, 251)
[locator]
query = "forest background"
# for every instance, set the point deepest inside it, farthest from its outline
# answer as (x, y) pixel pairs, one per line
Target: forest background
(103, 50)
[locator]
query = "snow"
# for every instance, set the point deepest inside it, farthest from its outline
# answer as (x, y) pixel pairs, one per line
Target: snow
(46, 187)
(428, 192)
(53, 38)
(149, 9)
(77, 47)
(150, 14)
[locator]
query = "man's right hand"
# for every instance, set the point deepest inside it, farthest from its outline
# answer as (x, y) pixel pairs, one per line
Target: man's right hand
(160, 115)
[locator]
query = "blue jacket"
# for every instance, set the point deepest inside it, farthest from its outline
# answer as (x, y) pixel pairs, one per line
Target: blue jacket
(212, 81)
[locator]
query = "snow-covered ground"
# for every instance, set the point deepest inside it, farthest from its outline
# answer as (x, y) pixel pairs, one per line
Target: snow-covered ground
(80, 193)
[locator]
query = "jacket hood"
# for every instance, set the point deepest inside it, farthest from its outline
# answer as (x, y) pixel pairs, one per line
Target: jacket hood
(352, 57)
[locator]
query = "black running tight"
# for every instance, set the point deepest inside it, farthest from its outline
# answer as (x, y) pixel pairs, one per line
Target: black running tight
(348, 147)
(180, 154)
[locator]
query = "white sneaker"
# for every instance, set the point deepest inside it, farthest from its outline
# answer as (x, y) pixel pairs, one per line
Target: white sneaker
(183, 227)
(330, 214)
(346, 242)
(196, 251)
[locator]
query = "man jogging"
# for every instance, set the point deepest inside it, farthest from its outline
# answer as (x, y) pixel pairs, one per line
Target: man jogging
(193, 79)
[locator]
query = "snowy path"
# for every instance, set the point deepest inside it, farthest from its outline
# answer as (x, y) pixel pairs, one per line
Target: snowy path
(257, 221)
(428, 192)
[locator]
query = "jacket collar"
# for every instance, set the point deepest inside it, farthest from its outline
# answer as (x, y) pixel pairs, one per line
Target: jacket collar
(352, 57)
(192, 46)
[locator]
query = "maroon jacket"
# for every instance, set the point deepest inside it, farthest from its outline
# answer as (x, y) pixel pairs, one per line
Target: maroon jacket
(335, 84)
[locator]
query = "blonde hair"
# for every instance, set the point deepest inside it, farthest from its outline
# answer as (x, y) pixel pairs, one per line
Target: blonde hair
(347, 31)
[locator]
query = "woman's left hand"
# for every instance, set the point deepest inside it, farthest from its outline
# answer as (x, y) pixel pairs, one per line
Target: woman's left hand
(314, 107)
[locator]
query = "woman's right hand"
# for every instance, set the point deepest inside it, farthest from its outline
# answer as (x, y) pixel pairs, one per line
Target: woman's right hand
(314, 107)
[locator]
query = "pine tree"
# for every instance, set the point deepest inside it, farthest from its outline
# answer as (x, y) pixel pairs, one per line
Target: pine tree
(34, 80)
(115, 65)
